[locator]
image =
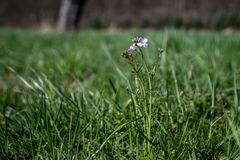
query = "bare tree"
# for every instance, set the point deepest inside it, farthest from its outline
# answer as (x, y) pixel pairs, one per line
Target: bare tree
(70, 14)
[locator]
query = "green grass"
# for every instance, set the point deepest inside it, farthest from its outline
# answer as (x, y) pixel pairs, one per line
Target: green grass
(64, 96)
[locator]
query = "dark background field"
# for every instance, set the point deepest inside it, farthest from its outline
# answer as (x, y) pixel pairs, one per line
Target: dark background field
(44, 14)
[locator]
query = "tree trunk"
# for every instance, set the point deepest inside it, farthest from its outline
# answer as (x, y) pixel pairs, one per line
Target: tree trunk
(70, 14)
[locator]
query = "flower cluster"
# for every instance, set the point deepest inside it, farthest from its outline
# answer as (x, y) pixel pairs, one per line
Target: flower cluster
(138, 42)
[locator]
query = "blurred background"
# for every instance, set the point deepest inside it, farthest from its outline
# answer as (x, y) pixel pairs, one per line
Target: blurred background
(120, 14)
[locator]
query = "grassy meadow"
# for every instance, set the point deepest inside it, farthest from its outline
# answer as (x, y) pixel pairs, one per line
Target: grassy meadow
(66, 96)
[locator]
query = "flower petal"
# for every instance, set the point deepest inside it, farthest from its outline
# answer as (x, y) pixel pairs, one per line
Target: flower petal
(145, 45)
(145, 40)
(133, 47)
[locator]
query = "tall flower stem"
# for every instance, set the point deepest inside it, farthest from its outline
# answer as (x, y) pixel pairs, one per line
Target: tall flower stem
(139, 75)
(142, 94)
(149, 112)
(141, 82)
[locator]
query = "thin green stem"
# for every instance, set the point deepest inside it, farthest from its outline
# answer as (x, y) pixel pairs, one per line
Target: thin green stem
(143, 93)
(150, 99)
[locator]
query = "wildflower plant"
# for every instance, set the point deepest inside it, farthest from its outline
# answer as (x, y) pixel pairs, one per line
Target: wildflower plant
(141, 90)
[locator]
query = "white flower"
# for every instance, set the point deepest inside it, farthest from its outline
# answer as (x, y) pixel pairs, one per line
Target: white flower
(138, 42)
